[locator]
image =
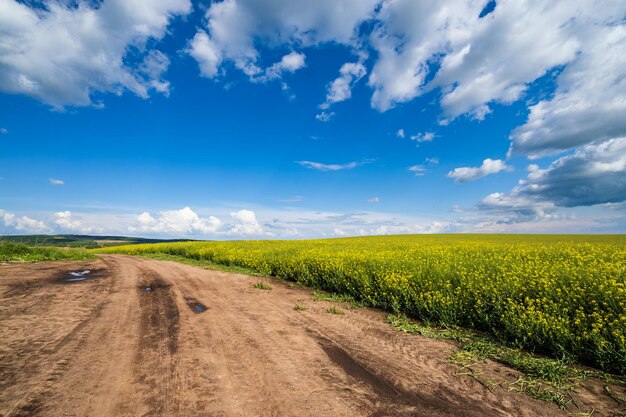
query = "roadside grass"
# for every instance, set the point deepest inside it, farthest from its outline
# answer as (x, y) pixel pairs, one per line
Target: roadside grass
(299, 307)
(19, 252)
(339, 298)
(335, 310)
(543, 378)
(262, 286)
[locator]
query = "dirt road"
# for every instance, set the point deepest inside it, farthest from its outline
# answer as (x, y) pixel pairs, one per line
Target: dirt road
(141, 337)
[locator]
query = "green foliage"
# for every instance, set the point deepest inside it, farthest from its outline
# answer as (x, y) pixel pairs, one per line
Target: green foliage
(17, 252)
(335, 310)
(544, 378)
(262, 286)
(299, 307)
(80, 241)
(559, 295)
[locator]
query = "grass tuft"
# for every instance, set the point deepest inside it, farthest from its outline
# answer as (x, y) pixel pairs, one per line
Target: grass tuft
(262, 286)
(335, 310)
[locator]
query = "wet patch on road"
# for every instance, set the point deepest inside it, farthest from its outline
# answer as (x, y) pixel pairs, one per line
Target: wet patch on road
(78, 275)
(195, 305)
(157, 356)
(160, 316)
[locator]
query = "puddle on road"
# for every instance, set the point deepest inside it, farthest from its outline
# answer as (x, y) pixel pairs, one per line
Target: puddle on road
(199, 308)
(195, 306)
(80, 275)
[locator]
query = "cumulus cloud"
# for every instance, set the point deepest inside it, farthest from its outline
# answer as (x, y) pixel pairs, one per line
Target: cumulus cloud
(488, 167)
(206, 53)
(476, 66)
(66, 221)
(341, 88)
(333, 167)
(23, 223)
(289, 63)
(183, 221)
(4, 130)
(486, 58)
(400, 133)
(247, 223)
(588, 104)
(374, 200)
(61, 53)
(54, 181)
(232, 27)
(595, 174)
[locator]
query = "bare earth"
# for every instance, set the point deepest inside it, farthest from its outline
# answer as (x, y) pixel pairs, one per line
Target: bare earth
(108, 347)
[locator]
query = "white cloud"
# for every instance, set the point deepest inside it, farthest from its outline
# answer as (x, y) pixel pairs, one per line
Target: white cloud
(234, 26)
(248, 224)
(63, 53)
(588, 104)
(183, 221)
(66, 221)
(289, 63)
(338, 232)
(481, 59)
(4, 130)
(423, 137)
(374, 200)
(419, 170)
(7, 218)
(324, 116)
(23, 223)
(55, 181)
(400, 133)
(206, 53)
(333, 167)
(341, 88)
(488, 167)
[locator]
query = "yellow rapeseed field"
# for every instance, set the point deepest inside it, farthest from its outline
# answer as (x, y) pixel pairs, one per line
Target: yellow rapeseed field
(562, 295)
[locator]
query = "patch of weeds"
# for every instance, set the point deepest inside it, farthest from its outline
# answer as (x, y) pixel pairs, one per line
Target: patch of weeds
(618, 398)
(335, 310)
(262, 286)
(536, 388)
(339, 298)
(544, 378)
(403, 324)
(299, 307)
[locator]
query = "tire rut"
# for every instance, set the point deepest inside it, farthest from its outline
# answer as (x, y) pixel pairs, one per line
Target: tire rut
(157, 359)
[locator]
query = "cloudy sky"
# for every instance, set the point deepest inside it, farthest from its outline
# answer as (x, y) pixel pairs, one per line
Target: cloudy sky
(287, 119)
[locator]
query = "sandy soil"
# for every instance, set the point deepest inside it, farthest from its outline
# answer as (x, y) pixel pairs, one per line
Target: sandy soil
(106, 347)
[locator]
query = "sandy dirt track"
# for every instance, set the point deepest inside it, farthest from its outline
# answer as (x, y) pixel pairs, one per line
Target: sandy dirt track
(108, 347)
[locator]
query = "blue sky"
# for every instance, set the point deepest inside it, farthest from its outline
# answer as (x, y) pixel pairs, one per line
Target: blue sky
(276, 119)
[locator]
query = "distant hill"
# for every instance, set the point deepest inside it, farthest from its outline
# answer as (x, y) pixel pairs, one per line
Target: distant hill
(83, 241)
